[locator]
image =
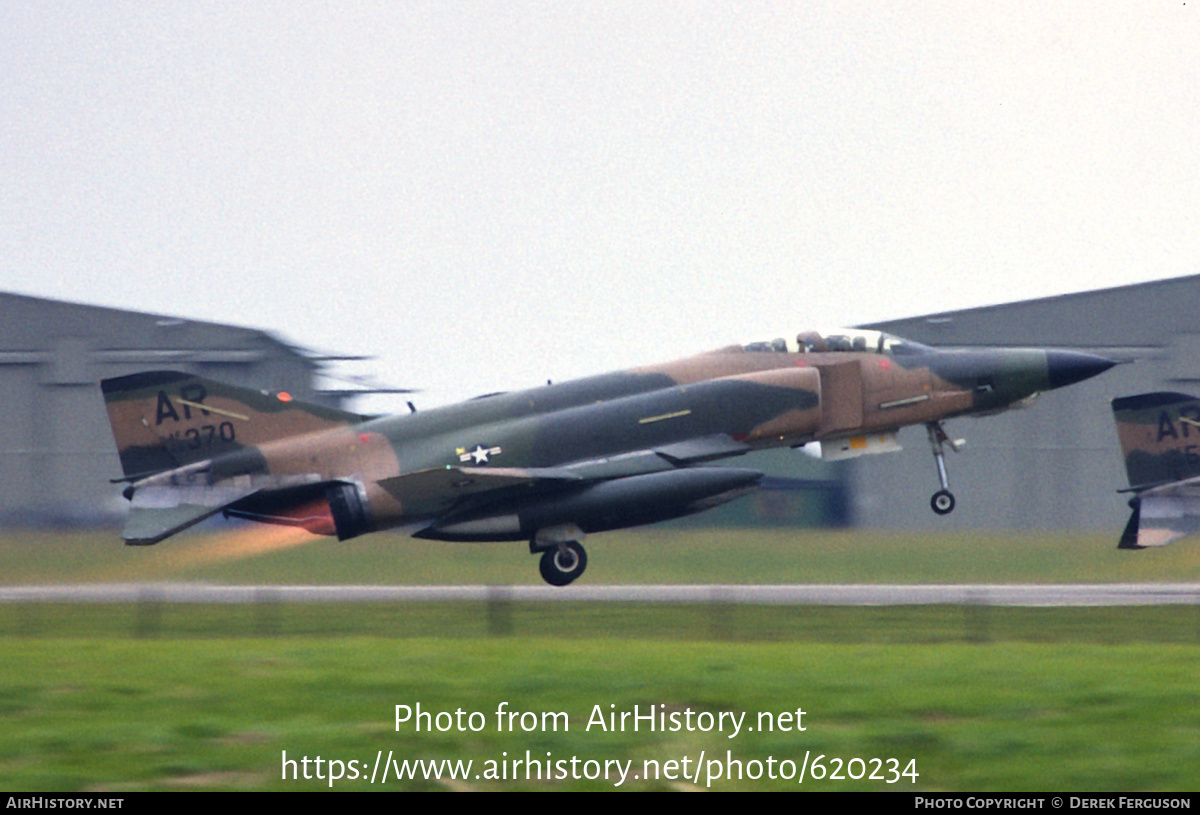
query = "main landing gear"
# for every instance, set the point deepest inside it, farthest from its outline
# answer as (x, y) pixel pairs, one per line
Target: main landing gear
(942, 501)
(563, 556)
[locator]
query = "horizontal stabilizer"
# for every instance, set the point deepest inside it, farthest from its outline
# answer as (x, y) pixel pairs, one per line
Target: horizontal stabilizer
(1130, 534)
(159, 512)
(1163, 515)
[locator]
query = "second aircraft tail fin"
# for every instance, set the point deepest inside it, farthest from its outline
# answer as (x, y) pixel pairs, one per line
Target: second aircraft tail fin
(1160, 442)
(1160, 437)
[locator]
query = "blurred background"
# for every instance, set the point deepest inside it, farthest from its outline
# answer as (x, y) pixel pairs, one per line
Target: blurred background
(1053, 466)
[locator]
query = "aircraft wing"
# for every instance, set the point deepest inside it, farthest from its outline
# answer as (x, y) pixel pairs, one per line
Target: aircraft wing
(161, 507)
(435, 490)
(438, 485)
(158, 512)
(1163, 514)
(703, 448)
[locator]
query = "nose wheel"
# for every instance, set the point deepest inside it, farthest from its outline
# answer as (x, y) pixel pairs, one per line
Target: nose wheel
(942, 501)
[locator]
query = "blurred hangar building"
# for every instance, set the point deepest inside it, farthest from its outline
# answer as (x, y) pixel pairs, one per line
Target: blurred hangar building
(56, 449)
(1055, 465)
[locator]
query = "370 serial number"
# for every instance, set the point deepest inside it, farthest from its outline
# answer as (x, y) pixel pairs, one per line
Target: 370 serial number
(204, 436)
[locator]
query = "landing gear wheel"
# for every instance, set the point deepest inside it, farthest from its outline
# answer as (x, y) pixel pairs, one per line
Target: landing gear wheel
(563, 563)
(942, 502)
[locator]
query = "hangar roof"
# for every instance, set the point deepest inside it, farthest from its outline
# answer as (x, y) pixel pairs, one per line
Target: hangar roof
(31, 323)
(1137, 316)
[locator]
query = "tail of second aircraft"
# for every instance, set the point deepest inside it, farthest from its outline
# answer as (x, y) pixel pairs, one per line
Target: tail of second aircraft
(1160, 437)
(1160, 442)
(163, 420)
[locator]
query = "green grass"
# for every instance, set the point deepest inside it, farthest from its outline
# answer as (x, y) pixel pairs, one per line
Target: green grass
(147, 695)
(218, 713)
(257, 554)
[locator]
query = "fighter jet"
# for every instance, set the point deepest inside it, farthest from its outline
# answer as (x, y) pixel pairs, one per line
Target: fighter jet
(1160, 441)
(552, 464)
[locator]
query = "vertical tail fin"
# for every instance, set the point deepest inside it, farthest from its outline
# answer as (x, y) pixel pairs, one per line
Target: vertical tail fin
(1160, 437)
(162, 420)
(1160, 441)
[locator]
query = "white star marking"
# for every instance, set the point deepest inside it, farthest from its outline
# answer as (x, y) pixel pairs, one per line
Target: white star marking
(478, 454)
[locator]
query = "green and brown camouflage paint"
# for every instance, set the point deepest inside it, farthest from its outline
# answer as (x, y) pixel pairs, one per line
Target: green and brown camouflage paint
(265, 456)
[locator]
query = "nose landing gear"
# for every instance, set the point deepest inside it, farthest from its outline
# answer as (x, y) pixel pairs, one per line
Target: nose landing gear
(942, 501)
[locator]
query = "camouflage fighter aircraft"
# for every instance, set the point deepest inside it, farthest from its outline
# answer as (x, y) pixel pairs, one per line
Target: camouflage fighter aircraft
(1160, 441)
(555, 463)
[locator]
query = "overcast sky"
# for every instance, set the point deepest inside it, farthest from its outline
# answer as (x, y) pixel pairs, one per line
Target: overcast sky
(486, 195)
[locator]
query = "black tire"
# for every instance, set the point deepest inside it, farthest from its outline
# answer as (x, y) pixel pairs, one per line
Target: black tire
(560, 568)
(942, 502)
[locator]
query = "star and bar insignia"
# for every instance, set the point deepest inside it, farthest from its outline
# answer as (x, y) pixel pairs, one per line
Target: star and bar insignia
(479, 454)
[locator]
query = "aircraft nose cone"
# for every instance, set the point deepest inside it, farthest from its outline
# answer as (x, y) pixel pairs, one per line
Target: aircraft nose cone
(1069, 367)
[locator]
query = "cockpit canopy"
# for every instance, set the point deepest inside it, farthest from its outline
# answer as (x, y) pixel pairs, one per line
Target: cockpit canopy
(840, 339)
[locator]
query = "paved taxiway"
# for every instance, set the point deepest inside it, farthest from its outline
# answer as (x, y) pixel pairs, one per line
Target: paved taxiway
(1093, 594)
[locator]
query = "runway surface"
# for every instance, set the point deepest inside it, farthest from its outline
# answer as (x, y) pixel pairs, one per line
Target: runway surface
(1096, 594)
